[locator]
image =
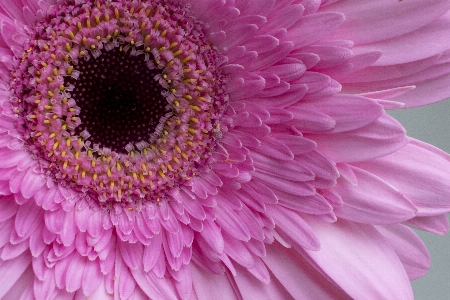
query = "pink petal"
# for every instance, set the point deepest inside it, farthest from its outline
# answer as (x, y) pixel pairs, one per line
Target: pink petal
(12, 270)
(436, 224)
(372, 201)
(28, 217)
(124, 283)
(380, 138)
(420, 172)
(92, 277)
(285, 262)
(360, 253)
(8, 208)
(427, 92)
(131, 254)
(153, 287)
(425, 42)
(45, 288)
(224, 286)
(229, 221)
(74, 273)
(350, 112)
(31, 183)
(293, 226)
(370, 21)
(314, 27)
(410, 249)
(152, 252)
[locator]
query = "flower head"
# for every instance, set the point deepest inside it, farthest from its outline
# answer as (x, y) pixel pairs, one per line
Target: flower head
(211, 150)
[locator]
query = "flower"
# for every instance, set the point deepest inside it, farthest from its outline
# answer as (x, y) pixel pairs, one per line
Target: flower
(211, 150)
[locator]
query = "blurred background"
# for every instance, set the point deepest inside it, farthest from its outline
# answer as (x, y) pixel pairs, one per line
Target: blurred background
(431, 124)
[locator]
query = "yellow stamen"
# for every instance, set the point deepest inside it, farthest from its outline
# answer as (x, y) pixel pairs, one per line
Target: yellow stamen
(177, 53)
(194, 107)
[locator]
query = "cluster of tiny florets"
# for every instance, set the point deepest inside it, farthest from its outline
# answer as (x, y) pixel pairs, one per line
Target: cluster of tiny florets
(169, 41)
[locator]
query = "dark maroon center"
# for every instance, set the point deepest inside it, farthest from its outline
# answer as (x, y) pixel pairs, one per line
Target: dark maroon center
(120, 101)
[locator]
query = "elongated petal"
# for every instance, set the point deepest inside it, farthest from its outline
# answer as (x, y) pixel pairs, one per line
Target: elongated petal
(367, 260)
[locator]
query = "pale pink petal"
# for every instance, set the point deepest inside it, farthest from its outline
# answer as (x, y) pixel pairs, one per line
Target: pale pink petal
(437, 224)
(380, 138)
(425, 42)
(288, 268)
(359, 260)
(224, 286)
(293, 226)
(412, 170)
(11, 271)
(368, 21)
(372, 200)
(154, 287)
(409, 248)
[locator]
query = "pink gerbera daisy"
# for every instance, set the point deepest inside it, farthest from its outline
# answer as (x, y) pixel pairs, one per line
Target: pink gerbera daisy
(218, 150)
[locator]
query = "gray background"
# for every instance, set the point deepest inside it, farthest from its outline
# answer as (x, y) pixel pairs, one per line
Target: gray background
(432, 125)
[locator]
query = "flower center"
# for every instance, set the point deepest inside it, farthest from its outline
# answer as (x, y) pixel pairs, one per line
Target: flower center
(119, 100)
